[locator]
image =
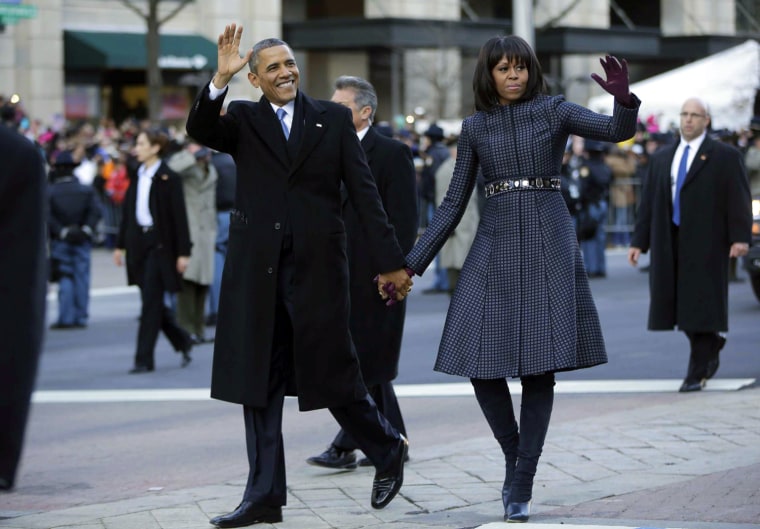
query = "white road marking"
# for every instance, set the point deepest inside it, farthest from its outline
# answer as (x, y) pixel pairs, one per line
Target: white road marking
(402, 390)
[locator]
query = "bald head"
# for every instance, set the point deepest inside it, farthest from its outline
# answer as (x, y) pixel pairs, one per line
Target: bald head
(695, 117)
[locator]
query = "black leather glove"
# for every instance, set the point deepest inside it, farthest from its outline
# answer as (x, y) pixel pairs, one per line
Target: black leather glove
(617, 79)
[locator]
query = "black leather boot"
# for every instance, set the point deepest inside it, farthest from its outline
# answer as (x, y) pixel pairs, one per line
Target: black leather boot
(535, 412)
(496, 404)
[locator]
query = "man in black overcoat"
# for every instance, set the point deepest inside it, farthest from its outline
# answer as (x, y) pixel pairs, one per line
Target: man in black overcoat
(695, 213)
(283, 311)
(23, 283)
(376, 329)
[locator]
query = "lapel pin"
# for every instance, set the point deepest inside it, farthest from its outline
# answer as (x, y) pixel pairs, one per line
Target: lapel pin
(703, 157)
(164, 177)
(319, 125)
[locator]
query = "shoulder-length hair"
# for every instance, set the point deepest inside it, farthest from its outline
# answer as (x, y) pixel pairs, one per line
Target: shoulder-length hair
(514, 49)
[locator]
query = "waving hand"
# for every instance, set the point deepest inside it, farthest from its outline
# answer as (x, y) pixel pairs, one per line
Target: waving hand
(229, 61)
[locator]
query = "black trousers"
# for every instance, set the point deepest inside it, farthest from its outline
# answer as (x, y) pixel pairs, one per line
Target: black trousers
(385, 399)
(155, 316)
(703, 345)
(263, 426)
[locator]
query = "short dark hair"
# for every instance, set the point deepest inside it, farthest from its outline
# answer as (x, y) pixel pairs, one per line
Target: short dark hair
(253, 62)
(515, 49)
(157, 136)
(365, 95)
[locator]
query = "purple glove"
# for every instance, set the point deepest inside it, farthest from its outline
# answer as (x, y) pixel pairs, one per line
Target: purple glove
(617, 79)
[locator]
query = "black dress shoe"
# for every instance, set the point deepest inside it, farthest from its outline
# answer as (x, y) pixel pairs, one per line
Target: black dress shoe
(248, 513)
(387, 484)
(518, 512)
(5, 484)
(689, 386)
(365, 462)
(334, 457)
(62, 326)
(714, 363)
(185, 351)
(140, 369)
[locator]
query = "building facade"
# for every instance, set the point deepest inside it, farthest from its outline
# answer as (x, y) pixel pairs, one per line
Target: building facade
(83, 59)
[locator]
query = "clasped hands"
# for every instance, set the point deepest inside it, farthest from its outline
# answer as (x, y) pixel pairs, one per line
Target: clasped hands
(394, 286)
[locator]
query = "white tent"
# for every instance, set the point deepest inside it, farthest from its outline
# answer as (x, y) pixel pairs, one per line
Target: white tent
(727, 81)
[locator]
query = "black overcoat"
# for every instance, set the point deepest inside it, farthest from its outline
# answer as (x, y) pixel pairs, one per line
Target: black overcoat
(715, 212)
(23, 288)
(376, 328)
(167, 207)
(305, 192)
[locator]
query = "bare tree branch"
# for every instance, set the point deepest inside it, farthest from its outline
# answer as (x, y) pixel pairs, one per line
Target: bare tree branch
(134, 8)
(177, 9)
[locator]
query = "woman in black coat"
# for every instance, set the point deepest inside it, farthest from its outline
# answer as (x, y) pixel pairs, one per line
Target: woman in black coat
(154, 234)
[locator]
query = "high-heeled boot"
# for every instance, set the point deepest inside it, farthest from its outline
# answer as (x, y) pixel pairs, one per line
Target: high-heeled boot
(535, 412)
(496, 403)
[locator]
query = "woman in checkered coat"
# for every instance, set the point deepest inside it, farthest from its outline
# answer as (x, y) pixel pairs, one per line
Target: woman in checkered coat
(522, 307)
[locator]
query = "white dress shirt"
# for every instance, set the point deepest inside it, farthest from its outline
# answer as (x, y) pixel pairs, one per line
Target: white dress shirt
(694, 146)
(144, 182)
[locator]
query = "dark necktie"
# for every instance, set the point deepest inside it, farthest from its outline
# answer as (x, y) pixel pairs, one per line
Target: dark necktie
(281, 113)
(680, 177)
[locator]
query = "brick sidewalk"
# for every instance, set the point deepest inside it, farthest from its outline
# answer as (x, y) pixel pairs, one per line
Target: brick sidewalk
(691, 462)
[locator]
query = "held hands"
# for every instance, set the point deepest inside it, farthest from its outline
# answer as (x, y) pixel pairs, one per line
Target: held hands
(229, 61)
(617, 79)
(738, 249)
(394, 286)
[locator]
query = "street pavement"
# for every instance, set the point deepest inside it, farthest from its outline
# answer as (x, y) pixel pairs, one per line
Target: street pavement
(682, 461)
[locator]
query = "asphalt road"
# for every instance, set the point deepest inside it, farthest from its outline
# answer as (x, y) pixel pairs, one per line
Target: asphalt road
(100, 356)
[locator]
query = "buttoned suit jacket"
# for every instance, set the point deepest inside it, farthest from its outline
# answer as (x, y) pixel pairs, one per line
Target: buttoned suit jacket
(294, 188)
(715, 212)
(167, 207)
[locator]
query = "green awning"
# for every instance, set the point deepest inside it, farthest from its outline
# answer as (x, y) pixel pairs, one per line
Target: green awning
(86, 50)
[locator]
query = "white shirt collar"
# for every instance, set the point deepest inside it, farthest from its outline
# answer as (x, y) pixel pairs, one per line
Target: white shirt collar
(362, 133)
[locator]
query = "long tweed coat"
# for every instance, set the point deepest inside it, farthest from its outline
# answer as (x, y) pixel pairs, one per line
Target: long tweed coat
(522, 305)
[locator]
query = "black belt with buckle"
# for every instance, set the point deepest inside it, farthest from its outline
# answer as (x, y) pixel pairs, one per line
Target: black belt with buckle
(146, 229)
(515, 184)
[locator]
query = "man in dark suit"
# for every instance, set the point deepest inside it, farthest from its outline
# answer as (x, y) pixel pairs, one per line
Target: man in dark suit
(283, 310)
(23, 282)
(376, 329)
(695, 213)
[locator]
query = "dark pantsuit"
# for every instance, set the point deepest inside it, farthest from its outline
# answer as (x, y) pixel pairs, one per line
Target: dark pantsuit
(361, 419)
(154, 315)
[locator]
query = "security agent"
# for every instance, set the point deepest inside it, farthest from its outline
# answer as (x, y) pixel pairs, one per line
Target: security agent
(74, 212)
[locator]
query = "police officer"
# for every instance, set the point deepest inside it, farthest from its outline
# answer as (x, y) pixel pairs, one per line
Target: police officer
(595, 177)
(74, 212)
(585, 187)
